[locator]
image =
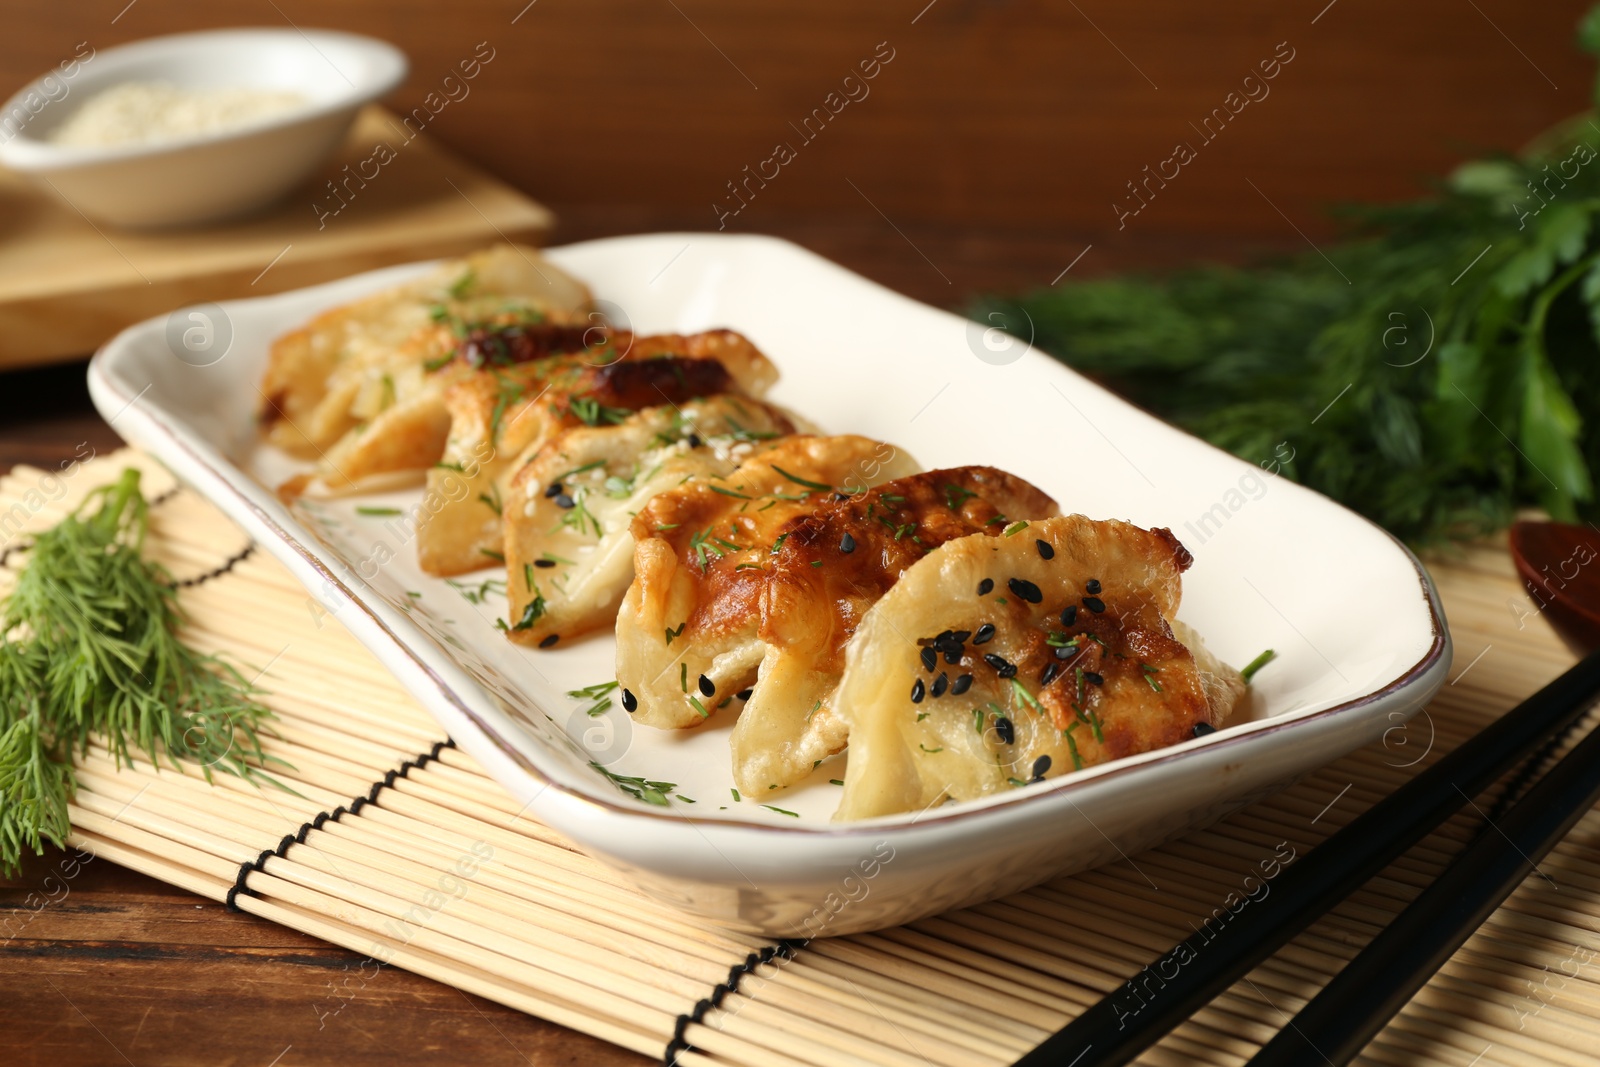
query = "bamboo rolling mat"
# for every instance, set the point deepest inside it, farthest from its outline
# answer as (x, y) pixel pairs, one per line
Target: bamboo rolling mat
(400, 848)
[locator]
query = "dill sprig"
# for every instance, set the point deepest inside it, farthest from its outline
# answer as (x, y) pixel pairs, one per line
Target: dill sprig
(90, 651)
(1436, 370)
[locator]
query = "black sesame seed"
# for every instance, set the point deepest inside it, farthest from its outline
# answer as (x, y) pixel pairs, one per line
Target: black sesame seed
(1092, 585)
(961, 685)
(630, 703)
(985, 632)
(1045, 551)
(1040, 766)
(1005, 730)
(943, 638)
(708, 688)
(564, 501)
(1025, 590)
(1066, 651)
(986, 587)
(1069, 615)
(1050, 672)
(1094, 678)
(940, 684)
(552, 489)
(694, 440)
(549, 640)
(917, 691)
(1203, 728)
(841, 496)
(1094, 604)
(1002, 666)
(960, 636)
(847, 543)
(952, 656)
(744, 694)
(544, 563)
(930, 659)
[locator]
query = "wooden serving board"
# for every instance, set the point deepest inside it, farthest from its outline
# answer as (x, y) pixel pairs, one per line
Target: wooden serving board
(67, 284)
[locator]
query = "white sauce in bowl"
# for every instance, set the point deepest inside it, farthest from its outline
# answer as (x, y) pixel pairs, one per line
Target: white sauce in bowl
(148, 112)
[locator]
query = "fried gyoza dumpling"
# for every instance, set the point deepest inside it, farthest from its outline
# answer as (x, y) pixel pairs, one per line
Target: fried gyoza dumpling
(997, 661)
(569, 510)
(687, 635)
(350, 364)
(809, 611)
(503, 415)
(410, 432)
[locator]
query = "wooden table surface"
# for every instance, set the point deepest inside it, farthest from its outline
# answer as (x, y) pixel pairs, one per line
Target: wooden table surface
(989, 158)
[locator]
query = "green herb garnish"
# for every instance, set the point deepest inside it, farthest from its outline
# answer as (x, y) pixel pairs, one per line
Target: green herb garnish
(578, 517)
(1435, 371)
(459, 287)
(591, 412)
(802, 481)
(93, 652)
(955, 496)
(1072, 746)
(578, 470)
(639, 788)
(598, 696)
(491, 500)
(532, 612)
(1250, 669)
(1026, 697)
(477, 594)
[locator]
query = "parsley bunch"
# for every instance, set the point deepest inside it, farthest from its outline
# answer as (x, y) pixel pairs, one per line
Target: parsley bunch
(1433, 371)
(89, 649)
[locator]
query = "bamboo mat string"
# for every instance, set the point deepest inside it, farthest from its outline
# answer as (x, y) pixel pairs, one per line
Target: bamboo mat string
(241, 882)
(783, 949)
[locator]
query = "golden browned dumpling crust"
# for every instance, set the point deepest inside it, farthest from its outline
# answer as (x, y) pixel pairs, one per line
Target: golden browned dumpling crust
(569, 510)
(835, 564)
(700, 565)
(998, 661)
(787, 605)
(503, 415)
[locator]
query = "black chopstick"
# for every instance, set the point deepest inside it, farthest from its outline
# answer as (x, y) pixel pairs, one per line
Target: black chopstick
(1338, 1022)
(1139, 1012)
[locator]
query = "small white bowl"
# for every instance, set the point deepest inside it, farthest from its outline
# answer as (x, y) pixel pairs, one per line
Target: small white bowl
(209, 176)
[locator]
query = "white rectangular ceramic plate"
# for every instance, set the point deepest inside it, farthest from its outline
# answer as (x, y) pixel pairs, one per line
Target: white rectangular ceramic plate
(1355, 620)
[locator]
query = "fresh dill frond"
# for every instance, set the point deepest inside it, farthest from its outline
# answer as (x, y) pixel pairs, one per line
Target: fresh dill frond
(91, 651)
(1436, 370)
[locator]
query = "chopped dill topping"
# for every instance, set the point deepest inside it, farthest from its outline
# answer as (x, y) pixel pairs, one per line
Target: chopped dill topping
(639, 788)
(1256, 664)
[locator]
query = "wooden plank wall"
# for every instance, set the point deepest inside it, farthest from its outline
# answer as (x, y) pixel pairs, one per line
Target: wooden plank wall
(997, 137)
